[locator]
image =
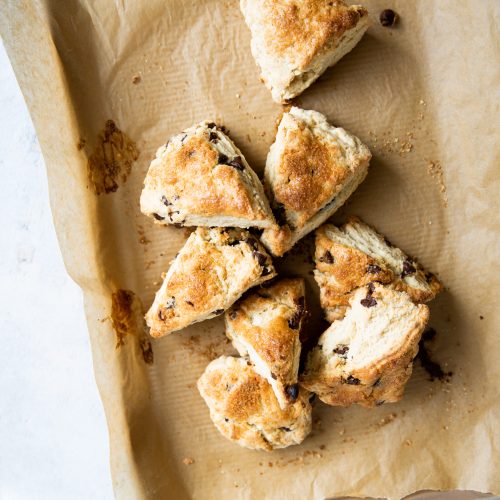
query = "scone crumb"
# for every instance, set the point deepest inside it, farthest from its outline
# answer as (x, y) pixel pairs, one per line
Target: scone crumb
(136, 79)
(322, 446)
(188, 461)
(408, 442)
(435, 170)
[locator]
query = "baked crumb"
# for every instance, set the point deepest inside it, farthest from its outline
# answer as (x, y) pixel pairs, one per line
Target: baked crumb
(188, 461)
(136, 79)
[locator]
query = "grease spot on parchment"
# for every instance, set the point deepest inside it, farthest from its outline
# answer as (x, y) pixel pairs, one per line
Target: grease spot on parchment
(127, 318)
(111, 161)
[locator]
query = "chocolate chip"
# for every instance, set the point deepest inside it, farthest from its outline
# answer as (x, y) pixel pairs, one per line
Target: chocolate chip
(327, 258)
(312, 397)
(158, 217)
(211, 125)
(369, 301)
(226, 419)
(292, 391)
(233, 314)
(286, 429)
(408, 268)
(352, 380)
(165, 201)
(237, 163)
(222, 159)
(223, 129)
(273, 376)
(161, 315)
(190, 303)
(279, 214)
(218, 311)
(261, 258)
(371, 288)
(388, 18)
(376, 383)
(341, 349)
(213, 137)
(373, 269)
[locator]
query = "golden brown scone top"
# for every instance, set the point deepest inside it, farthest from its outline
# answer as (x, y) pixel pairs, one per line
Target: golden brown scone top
(270, 320)
(211, 271)
(300, 30)
(245, 409)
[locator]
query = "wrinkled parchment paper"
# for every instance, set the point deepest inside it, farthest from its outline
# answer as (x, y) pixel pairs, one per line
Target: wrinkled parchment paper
(424, 96)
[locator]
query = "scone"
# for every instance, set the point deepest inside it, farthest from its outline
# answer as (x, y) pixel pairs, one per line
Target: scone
(265, 327)
(245, 410)
(311, 170)
(200, 178)
(353, 255)
(295, 42)
(211, 271)
(366, 358)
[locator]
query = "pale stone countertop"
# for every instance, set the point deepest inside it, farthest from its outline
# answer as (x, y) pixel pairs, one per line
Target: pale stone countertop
(53, 435)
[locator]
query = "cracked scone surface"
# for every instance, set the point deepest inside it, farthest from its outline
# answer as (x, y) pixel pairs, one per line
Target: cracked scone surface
(245, 410)
(211, 271)
(355, 254)
(200, 178)
(311, 170)
(293, 43)
(265, 327)
(367, 357)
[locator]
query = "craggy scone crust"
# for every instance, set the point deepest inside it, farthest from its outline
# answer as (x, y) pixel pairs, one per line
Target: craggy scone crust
(211, 271)
(342, 267)
(245, 410)
(200, 178)
(291, 39)
(345, 372)
(311, 169)
(266, 327)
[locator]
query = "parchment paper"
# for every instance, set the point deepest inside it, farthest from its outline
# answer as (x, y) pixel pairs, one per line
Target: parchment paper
(424, 96)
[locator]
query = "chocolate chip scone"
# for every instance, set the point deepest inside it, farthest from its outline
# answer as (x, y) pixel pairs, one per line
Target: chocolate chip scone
(265, 327)
(200, 178)
(311, 170)
(295, 42)
(367, 357)
(353, 255)
(245, 410)
(212, 270)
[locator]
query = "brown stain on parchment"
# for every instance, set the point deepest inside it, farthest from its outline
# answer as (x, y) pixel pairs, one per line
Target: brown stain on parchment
(124, 310)
(111, 161)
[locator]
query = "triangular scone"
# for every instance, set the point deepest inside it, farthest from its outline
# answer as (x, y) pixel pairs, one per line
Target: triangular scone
(212, 270)
(245, 410)
(366, 358)
(354, 254)
(265, 327)
(200, 178)
(311, 170)
(295, 42)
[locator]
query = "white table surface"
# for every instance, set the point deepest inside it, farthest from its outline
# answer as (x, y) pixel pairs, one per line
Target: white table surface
(53, 435)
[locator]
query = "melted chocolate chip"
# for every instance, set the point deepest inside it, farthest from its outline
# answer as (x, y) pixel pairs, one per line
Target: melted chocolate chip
(211, 125)
(292, 391)
(158, 217)
(279, 214)
(408, 268)
(376, 383)
(286, 429)
(341, 349)
(371, 288)
(294, 321)
(218, 311)
(213, 137)
(388, 18)
(237, 163)
(165, 201)
(273, 376)
(261, 258)
(373, 269)
(226, 419)
(369, 301)
(352, 380)
(433, 369)
(222, 159)
(190, 303)
(327, 258)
